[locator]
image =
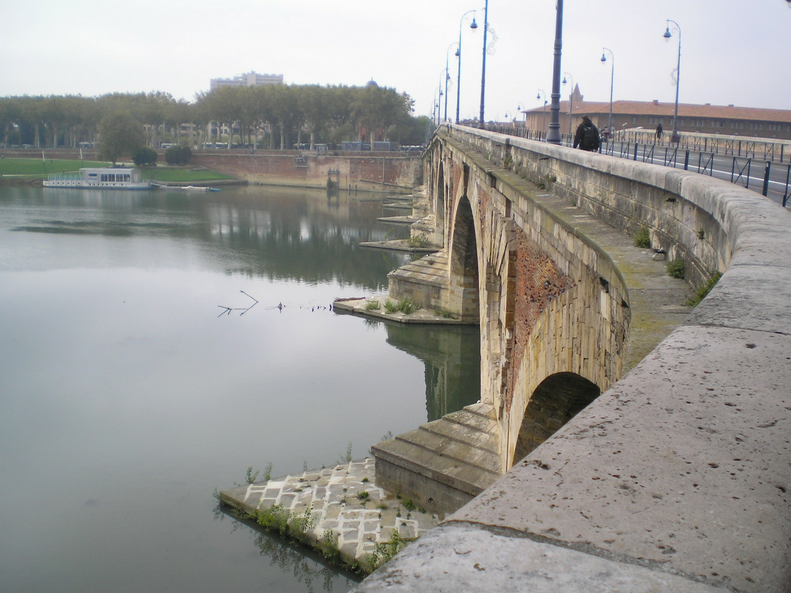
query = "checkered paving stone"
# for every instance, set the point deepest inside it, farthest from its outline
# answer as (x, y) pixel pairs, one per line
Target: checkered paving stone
(343, 500)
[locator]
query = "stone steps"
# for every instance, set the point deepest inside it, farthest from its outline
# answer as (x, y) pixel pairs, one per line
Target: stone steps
(432, 269)
(443, 464)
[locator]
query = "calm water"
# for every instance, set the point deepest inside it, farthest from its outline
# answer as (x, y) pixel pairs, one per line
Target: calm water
(127, 396)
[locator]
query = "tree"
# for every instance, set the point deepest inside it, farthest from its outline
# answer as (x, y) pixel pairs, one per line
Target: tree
(144, 156)
(178, 155)
(120, 134)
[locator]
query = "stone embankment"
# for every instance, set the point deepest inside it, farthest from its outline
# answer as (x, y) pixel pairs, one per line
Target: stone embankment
(339, 511)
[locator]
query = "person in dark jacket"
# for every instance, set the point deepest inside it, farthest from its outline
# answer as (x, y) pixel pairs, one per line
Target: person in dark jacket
(587, 136)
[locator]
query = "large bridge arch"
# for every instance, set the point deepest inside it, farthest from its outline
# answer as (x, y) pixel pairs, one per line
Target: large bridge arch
(463, 294)
(556, 400)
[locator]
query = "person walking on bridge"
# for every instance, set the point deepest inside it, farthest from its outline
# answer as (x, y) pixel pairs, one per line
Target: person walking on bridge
(587, 136)
(659, 132)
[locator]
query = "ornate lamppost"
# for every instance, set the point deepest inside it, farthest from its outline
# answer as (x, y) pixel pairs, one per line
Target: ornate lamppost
(612, 80)
(543, 109)
(553, 137)
(482, 121)
(667, 36)
(473, 26)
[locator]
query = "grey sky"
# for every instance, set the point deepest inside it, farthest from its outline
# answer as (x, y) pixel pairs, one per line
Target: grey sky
(733, 51)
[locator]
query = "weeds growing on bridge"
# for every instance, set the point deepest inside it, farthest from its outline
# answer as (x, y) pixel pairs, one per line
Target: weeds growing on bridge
(417, 241)
(642, 238)
(675, 268)
(704, 290)
(405, 306)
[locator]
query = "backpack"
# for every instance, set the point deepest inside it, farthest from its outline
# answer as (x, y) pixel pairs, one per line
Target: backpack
(590, 139)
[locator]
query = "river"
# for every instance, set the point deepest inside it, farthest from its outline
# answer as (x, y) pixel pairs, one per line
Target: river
(154, 345)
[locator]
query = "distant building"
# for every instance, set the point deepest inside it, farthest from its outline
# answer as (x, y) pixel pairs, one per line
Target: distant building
(249, 79)
(700, 119)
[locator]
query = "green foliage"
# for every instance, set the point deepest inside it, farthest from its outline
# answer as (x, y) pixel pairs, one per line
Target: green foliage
(363, 495)
(251, 477)
(408, 504)
(144, 156)
(446, 313)
(508, 161)
(121, 134)
(675, 268)
(328, 545)
(405, 306)
(372, 305)
(704, 290)
(37, 167)
(384, 551)
(268, 471)
(348, 457)
(275, 518)
(642, 238)
(178, 155)
(417, 241)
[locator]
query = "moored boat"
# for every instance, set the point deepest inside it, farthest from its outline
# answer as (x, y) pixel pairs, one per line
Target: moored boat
(100, 178)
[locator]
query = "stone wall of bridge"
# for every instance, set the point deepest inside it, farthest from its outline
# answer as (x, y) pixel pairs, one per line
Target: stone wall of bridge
(549, 300)
(678, 476)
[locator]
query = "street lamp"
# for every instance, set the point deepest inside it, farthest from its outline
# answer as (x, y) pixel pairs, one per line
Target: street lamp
(473, 26)
(482, 123)
(667, 36)
(543, 109)
(553, 136)
(612, 80)
(447, 77)
(571, 98)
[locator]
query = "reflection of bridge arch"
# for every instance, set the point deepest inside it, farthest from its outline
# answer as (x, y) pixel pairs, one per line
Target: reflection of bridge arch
(555, 401)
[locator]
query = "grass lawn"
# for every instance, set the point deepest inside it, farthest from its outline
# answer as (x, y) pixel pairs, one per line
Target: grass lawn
(39, 168)
(182, 174)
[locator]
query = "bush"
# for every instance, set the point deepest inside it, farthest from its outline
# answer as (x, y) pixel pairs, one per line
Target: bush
(675, 268)
(178, 155)
(144, 156)
(642, 238)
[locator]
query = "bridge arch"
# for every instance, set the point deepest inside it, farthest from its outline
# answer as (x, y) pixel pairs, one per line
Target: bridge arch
(556, 400)
(463, 283)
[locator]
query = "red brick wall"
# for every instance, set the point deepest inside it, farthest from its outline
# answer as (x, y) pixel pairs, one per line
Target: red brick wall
(365, 171)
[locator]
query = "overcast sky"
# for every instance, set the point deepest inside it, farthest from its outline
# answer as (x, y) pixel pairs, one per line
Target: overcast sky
(733, 51)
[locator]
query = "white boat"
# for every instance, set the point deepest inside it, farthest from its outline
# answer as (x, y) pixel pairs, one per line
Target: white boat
(100, 178)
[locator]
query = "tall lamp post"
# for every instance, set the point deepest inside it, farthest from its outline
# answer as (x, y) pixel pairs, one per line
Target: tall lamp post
(553, 136)
(667, 36)
(482, 122)
(473, 26)
(571, 98)
(447, 77)
(543, 109)
(612, 80)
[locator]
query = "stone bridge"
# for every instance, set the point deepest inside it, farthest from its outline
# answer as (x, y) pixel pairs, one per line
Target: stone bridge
(623, 441)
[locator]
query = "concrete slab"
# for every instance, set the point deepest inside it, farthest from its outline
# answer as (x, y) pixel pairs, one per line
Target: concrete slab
(466, 558)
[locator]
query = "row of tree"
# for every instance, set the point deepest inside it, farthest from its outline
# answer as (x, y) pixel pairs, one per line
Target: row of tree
(277, 115)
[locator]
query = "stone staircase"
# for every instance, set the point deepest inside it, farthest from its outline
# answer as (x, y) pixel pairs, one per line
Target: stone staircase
(424, 281)
(445, 463)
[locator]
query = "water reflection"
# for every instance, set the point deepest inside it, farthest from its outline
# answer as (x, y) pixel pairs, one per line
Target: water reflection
(307, 568)
(121, 385)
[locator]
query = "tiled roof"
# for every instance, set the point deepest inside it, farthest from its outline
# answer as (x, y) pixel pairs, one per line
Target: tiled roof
(667, 109)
